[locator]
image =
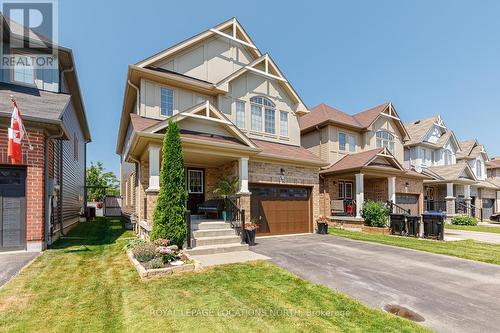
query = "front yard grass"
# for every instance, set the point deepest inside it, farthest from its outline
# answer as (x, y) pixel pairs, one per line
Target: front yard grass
(480, 228)
(87, 284)
(467, 249)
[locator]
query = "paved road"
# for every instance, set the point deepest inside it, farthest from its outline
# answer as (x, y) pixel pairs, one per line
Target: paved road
(488, 237)
(11, 263)
(452, 294)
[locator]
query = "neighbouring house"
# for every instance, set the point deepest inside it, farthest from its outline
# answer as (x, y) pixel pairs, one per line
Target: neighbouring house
(42, 197)
(483, 193)
(493, 174)
(238, 116)
(457, 169)
(364, 153)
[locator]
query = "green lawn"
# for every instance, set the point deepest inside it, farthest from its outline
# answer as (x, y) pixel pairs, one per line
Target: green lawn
(86, 284)
(481, 228)
(467, 249)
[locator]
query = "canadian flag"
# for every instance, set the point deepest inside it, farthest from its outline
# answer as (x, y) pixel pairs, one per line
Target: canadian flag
(16, 134)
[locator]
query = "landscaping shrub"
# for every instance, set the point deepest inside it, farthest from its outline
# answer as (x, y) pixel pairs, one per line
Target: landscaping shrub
(144, 252)
(375, 214)
(168, 216)
(155, 263)
(134, 242)
(464, 220)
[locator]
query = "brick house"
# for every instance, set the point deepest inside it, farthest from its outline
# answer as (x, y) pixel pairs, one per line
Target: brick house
(42, 197)
(239, 116)
(365, 156)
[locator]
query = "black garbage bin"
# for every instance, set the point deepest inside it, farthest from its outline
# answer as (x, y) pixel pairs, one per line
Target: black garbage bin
(434, 225)
(398, 224)
(413, 222)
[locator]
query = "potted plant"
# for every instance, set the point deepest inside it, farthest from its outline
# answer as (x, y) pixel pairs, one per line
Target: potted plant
(375, 215)
(322, 223)
(226, 187)
(250, 230)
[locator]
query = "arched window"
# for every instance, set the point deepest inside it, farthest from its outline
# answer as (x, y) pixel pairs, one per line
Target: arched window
(260, 105)
(385, 139)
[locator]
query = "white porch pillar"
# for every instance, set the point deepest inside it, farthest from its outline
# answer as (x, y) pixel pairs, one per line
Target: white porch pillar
(243, 175)
(154, 167)
(449, 190)
(360, 193)
(391, 181)
(467, 192)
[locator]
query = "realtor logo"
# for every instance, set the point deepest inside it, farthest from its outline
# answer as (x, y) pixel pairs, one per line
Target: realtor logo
(29, 36)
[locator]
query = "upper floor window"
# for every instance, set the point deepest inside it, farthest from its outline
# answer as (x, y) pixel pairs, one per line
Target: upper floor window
(352, 143)
(258, 106)
(23, 70)
(342, 141)
(240, 114)
(385, 139)
(479, 169)
(283, 123)
(167, 102)
(447, 157)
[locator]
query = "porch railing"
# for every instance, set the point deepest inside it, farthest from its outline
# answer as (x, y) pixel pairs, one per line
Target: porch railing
(462, 207)
(435, 205)
(236, 217)
(396, 209)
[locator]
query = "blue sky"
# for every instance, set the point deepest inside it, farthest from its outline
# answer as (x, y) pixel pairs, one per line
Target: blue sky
(427, 57)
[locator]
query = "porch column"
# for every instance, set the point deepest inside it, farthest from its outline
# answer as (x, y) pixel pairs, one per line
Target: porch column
(154, 168)
(467, 199)
(243, 175)
(360, 193)
(391, 181)
(450, 199)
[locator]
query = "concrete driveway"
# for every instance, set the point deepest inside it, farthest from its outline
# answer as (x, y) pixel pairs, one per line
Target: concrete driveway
(455, 234)
(452, 294)
(12, 262)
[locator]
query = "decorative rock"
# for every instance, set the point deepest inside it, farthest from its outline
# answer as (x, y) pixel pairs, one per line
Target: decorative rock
(173, 247)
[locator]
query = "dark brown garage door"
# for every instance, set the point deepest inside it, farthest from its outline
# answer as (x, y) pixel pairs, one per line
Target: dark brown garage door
(408, 201)
(12, 209)
(281, 209)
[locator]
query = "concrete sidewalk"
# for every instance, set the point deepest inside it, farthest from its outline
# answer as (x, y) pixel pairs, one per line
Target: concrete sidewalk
(487, 237)
(215, 259)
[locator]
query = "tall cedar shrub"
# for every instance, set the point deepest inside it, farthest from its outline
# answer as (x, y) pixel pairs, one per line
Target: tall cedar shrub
(168, 216)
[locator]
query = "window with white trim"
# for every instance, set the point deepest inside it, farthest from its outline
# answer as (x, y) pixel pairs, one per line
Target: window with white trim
(342, 141)
(23, 70)
(479, 169)
(166, 102)
(270, 121)
(261, 105)
(352, 143)
(447, 157)
(240, 114)
(385, 139)
(283, 123)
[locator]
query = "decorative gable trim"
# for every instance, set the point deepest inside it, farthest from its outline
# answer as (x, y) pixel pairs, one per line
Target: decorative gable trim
(236, 29)
(208, 112)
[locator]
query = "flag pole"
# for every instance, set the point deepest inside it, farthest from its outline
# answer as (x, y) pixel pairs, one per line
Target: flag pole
(24, 129)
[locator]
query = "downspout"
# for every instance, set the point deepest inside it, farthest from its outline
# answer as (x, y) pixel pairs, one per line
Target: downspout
(138, 175)
(46, 181)
(138, 96)
(61, 75)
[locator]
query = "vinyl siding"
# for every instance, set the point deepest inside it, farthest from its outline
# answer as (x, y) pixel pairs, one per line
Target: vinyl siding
(73, 168)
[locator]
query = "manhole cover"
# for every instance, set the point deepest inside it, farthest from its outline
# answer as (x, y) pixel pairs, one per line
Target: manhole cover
(403, 312)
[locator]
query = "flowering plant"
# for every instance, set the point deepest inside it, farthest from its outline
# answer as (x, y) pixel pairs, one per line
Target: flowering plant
(161, 242)
(167, 253)
(323, 220)
(251, 226)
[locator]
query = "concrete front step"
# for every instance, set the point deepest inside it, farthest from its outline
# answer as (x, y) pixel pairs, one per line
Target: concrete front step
(213, 233)
(219, 248)
(211, 225)
(202, 241)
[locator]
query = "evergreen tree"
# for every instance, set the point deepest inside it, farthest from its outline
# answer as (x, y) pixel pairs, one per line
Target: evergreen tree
(168, 216)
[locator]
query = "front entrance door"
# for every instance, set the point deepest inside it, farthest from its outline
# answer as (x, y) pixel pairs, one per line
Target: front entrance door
(12, 209)
(195, 188)
(488, 205)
